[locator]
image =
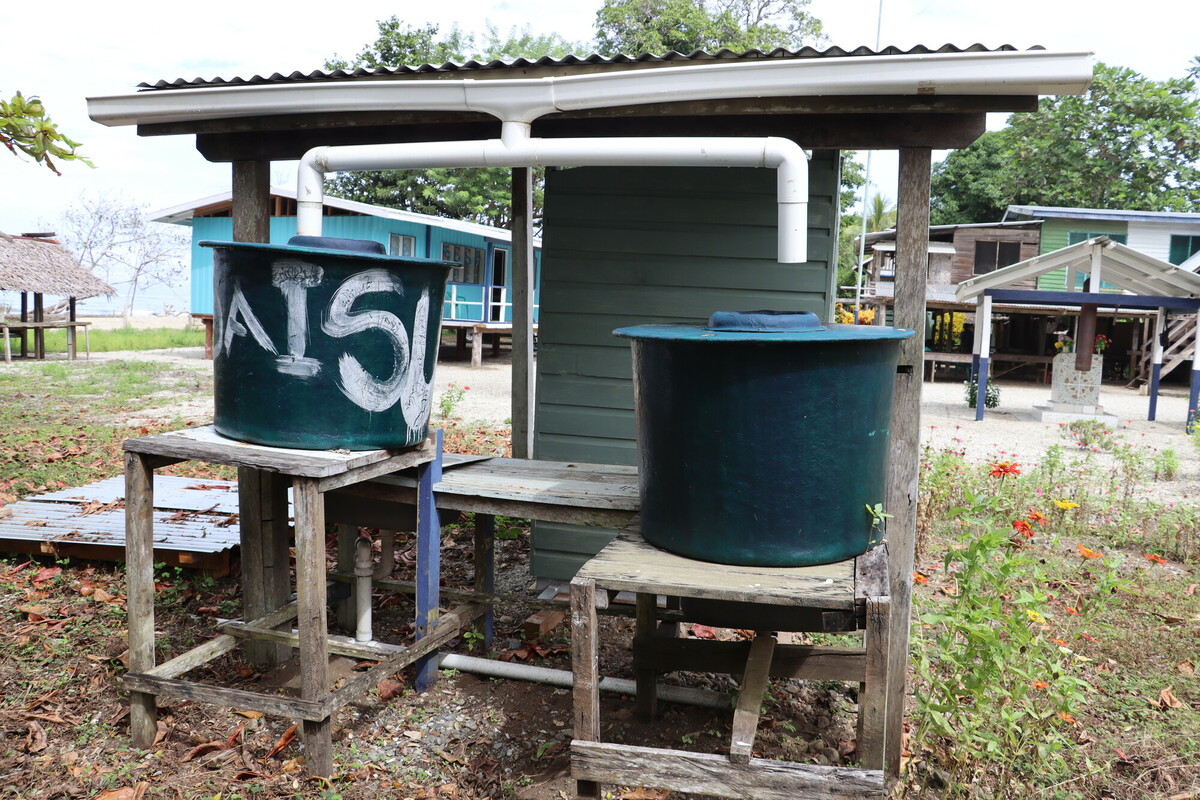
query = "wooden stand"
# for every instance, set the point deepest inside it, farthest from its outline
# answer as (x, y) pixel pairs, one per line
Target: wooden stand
(265, 581)
(846, 596)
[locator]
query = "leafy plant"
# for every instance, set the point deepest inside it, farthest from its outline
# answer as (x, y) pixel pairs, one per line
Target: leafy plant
(449, 399)
(990, 400)
(1090, 434)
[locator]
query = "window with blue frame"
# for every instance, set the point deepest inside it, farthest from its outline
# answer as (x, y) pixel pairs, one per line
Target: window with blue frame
(470, 262)
(401, 245)
(1183, 248)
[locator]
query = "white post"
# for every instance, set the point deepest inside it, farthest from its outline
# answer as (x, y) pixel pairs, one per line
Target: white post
(983, 328)
(1156, 358)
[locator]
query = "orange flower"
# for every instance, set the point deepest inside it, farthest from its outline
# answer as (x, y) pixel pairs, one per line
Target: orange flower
(1065, 717)
(1036, 517)
(1086, 553)
(1003, 468)
(1059, 642)
(919, 578)
(1072, 612)
(1023, 528)
(1155, 559)
(1040, 685)
(1087, 637)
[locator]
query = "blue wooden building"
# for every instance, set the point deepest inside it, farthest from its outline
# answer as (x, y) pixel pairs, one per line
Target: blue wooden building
(480, 288)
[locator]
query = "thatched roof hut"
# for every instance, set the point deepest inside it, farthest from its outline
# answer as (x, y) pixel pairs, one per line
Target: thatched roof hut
(43, 266)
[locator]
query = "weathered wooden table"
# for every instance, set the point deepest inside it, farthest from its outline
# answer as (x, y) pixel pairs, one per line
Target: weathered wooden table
(845, 596)
(11, 328)
(265, 579)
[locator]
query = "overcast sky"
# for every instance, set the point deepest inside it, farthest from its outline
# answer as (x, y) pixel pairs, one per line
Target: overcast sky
(82, 48)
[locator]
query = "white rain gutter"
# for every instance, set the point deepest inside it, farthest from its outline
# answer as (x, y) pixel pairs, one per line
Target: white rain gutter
(1029, 72)
(516, 149)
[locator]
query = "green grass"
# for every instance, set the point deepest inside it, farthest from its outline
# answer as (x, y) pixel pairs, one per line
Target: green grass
(62, 423)
(128, 339)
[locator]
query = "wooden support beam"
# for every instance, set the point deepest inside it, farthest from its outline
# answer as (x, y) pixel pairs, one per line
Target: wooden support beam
(310, 711)
(645, 676)
(873, 691)
(252, 200)
(522, 312)
(139, 572)
(750, 697)
(708, 774)
(197, 656)
(912, 260)
(792, 661)
(311, 621)
(585, 671)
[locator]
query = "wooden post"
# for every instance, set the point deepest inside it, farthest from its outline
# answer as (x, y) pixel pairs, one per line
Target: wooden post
(429, 562)
(71, 349)
(485, 573)
(872, 692)
(1156, 359)
(912, 260)
(645, 679)
(585, 671)
(983, 321)
(522, 312)
(311, 621)
(139, 573)
(39, 334)
(266, 579)
(1085, 337)
(1194, 389)
(251, 201)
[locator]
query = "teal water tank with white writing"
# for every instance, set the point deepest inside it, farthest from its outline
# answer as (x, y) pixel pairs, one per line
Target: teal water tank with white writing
(324, 344)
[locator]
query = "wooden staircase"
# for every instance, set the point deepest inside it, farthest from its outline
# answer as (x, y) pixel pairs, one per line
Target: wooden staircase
(1179, 347)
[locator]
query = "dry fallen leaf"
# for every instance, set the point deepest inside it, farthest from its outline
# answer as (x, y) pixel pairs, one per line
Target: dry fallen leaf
(283, 742)
(1167, 699)
(390, 689)
(644, 794)
(35, 738)
(1190, 590)
(127, 793)
(250, 714)
(703, 632)
(1186, 667)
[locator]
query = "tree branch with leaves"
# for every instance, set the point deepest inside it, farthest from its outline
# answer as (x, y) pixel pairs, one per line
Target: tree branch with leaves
(25, 129)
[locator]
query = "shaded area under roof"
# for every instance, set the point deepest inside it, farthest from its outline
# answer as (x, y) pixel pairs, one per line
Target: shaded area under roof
(1120, 265)
(569, 61)
(44, 266)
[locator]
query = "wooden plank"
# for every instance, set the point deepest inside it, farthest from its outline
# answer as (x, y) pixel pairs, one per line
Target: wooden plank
(904, 466)
(630, 564)
(873, 697)
(429, 563)
(708, 774)
(792, 661)
(292, 708)
(311, 621)
(205, 444)
(197, 656)
(256, 558)
(871, 573)
(585, 673)
(139, 571)
(750, 698)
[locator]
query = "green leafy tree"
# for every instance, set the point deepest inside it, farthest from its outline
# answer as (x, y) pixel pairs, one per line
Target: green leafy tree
(658, 26)
(25, 128)
(968, 185)
(1128, 143)
(881, 214)
(478, 195)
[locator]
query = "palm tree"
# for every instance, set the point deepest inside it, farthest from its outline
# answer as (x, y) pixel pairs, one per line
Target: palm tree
(881, 215)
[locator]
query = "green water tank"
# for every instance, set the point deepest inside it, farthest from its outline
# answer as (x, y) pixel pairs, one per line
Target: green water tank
(763, 436)
(324, 343)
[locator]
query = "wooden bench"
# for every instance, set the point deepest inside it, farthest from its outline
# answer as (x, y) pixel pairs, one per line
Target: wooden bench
(478, 331)
(9, 329)
(1017, 359)
(845, 596)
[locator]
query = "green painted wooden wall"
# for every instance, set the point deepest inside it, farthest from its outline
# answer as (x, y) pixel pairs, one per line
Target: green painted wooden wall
(1055, 233)
(626, 246)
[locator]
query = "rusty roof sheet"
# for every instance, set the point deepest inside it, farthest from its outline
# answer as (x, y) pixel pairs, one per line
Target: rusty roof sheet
(568, 62)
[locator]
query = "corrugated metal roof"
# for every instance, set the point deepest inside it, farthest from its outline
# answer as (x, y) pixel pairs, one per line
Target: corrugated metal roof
(1064, 212)
(568, 62)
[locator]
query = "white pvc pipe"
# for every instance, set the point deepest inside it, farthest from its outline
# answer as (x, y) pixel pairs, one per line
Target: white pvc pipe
(564, 679)
(516, 149)
(363, 572)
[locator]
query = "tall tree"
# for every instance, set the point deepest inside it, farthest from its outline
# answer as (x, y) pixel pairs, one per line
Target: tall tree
(1128, 143)
(112, 237)
(657, 26)
(478, 195)
(25, 128)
